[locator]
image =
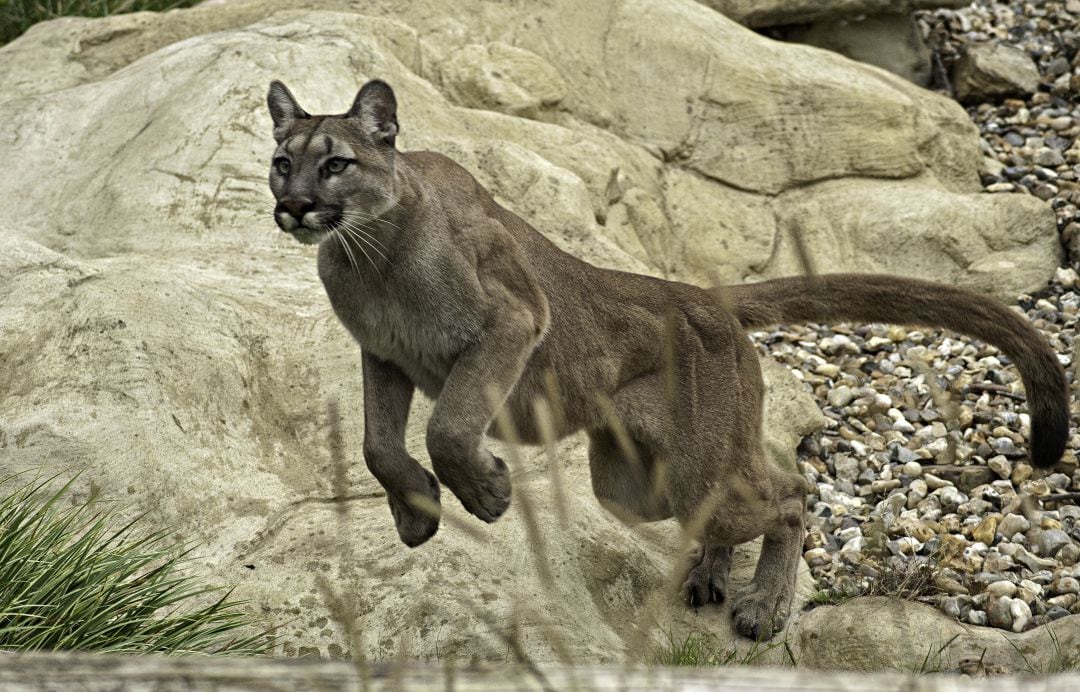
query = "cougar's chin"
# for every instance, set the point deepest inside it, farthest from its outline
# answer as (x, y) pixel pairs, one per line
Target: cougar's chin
(309, 236)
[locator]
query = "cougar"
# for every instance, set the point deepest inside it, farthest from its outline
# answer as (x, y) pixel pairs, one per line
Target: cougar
(450, 293)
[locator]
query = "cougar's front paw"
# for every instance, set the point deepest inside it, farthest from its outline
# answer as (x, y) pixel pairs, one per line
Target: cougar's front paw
(758, 614)
(706, 580)
(416, 513)
(488, 496)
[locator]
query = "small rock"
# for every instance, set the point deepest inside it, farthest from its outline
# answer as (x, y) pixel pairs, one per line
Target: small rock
(1064, 600)
(912, 468)
(1050, 541)
(1056, 612)
(998, 563)
(847, 468)
(999, 612)
(1020, 473)
(1065, 585)
(817, 557)
(1013, 524)
(1030, 587)
(986, 530)
(1051, 158)
(935, 483)
(840, 396)
(882, 487)
(1068, 554)
(1001, 588)
(1021, 614)
(1033, 563)
(1001, 466)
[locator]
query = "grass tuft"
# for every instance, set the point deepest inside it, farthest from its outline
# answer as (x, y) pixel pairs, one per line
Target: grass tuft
(705, 649)
(69, 581)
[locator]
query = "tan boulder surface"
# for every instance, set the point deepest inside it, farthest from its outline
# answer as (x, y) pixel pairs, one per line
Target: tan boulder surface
(163, 336)
(758, 13)
(889, 634)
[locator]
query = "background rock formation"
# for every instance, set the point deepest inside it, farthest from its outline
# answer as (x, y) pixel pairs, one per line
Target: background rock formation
(161, 333)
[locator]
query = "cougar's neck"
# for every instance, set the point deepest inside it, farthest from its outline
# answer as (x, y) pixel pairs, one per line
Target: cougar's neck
(376, 243)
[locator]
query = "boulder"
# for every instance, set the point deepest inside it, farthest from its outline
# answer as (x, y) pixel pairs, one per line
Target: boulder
(891, 634)
(762, 13)
(892, 42)
(163, 336)
(986, 71)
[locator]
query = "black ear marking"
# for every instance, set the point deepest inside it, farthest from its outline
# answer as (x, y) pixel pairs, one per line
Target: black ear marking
(376, 107)
(283, 108)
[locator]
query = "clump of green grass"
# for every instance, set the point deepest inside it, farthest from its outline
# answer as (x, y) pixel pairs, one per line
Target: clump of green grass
(70, 581)
(16, 16)
(704, 649)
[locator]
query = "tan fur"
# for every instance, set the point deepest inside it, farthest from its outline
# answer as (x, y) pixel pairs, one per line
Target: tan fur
(464, 298)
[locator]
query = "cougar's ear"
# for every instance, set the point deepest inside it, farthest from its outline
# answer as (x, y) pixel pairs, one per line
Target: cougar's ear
(376, 108)
(283, 109)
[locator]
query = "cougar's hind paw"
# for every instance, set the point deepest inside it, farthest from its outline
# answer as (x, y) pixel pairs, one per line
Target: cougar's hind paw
(706, 579)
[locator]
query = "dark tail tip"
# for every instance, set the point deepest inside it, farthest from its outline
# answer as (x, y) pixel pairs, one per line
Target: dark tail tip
(1049, 432)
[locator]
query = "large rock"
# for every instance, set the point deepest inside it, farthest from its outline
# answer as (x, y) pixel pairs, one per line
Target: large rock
(892, 42)
(991, 70)
(759, 13)
(751, 118)
(893, 634)
(161, 334)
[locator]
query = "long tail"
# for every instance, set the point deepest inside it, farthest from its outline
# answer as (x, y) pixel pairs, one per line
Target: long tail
(882, 298)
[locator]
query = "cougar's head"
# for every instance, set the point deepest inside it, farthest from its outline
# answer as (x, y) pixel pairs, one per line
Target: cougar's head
(332, 170)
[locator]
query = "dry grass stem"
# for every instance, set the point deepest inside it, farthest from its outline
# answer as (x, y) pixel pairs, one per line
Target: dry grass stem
(342, 610)
(433, 509)
(509, 434)
(802, 253)
(545, 425)
(511, 638)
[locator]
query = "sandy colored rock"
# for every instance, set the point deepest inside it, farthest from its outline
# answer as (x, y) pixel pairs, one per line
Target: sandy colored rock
(760, 13)
(987, 71)
(501, 77)
(916, 231)
(891, 634)
(892, 42)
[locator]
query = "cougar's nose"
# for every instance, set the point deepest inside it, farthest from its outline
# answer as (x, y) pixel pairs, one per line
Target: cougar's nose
(297, 207)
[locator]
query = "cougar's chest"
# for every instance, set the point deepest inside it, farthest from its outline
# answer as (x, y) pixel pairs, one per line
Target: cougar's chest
(420, 330)
(423, 343)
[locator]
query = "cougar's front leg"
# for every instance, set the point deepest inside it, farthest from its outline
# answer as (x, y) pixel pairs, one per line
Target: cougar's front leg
(387, 395)
(483, 374)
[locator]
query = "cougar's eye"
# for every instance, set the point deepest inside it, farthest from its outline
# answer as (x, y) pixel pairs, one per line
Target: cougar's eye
(337, 164)
(282, 165)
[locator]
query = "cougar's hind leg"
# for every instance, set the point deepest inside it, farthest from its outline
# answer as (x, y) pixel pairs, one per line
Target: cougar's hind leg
(724, 490)
(738, 508)
(760, 609)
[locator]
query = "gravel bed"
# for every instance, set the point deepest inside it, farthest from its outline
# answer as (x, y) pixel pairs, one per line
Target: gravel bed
(922, 486)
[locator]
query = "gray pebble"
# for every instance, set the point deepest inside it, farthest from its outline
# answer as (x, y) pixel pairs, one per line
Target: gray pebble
(1050, 541)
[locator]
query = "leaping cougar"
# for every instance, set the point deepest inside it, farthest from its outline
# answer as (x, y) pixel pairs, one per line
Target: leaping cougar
(448, 292)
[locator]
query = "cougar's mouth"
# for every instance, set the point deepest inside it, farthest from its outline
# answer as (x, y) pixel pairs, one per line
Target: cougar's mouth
(310, 236)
